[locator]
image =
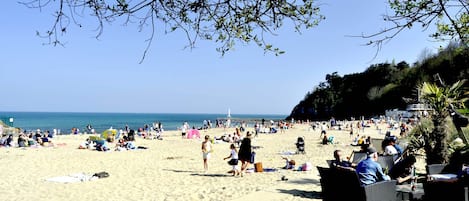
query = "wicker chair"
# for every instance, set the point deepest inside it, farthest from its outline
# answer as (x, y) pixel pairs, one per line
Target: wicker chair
(445, 190)
(435, 168)
(343, 184)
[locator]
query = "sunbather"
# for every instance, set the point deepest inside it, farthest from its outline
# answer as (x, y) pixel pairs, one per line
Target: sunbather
(289, 163)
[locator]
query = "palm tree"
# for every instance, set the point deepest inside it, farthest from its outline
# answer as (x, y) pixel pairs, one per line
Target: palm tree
(443, 101)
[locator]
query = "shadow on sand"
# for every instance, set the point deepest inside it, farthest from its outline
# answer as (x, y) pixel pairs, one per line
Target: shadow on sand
(181, 171)
(302, 193)
(210, 175)
(197, 173)
(305, 181)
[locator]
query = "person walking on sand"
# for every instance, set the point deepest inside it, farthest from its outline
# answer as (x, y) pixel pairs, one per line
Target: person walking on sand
(323, 129)
(245, 153)
(206, 149)
(234, 160)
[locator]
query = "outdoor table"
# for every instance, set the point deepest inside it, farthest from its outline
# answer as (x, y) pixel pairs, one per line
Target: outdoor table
(405, 192)
(442, 176)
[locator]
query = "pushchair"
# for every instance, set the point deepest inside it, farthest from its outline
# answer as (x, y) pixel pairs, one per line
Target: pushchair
(300, 145)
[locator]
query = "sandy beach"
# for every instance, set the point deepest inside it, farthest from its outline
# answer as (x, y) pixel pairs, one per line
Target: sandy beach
(170, 169)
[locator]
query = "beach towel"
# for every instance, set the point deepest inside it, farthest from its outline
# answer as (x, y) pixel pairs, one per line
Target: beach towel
(270, 170)
(73, 178)
(288, 153)
(78, 177)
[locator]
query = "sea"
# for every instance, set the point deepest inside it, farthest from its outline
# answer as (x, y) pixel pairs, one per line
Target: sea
(65, 121)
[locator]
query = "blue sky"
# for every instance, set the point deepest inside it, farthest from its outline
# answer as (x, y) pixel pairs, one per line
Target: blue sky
(90, 75)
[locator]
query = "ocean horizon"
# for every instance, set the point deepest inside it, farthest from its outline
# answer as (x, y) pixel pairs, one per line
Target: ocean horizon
(101, 121)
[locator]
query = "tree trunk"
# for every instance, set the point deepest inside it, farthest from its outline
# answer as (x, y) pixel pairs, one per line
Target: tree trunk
(439, 153)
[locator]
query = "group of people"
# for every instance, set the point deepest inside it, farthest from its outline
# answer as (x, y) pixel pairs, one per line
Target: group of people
(361, 140)
(244, 154)
(31, 139)
(369, 171)
(126, 141)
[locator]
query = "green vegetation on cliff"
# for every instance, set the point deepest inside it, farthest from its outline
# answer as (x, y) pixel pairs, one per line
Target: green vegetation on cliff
(380, 87)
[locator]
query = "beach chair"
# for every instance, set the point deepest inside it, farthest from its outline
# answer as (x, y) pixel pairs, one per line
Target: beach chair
(343, 184)
(376, 143)
(327, 191)
(435, 168)
(358, 156)
(438, 190)
(329, 163)
(386, 162)
(330, 139)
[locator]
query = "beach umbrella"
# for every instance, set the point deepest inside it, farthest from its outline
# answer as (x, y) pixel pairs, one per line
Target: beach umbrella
(108, 133)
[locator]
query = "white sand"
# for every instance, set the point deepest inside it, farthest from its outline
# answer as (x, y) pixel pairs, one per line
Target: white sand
(171, 169)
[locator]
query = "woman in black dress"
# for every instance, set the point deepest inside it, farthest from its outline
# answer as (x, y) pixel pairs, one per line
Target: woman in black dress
(244, 153)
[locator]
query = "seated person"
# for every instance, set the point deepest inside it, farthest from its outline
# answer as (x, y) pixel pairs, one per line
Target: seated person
(121, 144)
(339, 162)
(9, 141)
(3, 139)
(325, 140)
(398, 148)
(364, 148)
(369, 171)
(38, 135)
(85, 145)
(31, 141)
(368, 140)
(361, 140)
(355, 140)
(22, 140)
(389, 149)
(402, 170)
(102, 145)
(130, 145)
(45, 141)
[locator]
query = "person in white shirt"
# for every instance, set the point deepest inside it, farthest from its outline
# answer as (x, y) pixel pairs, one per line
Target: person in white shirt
(233, 160)
(206, 150)
(390, 149)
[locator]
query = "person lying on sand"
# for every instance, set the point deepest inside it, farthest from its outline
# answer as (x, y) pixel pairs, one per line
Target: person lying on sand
(86, 144)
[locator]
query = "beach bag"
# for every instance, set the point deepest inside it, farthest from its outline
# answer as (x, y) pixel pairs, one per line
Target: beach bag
(233, 162)
(101, 175)
(253, 156)
(258, 167)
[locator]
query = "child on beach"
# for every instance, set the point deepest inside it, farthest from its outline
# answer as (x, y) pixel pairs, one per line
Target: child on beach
(289, 163)
(206, 149)
(234, 160)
